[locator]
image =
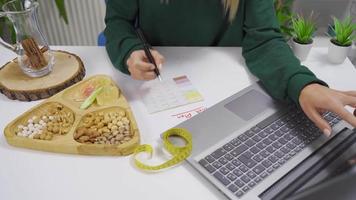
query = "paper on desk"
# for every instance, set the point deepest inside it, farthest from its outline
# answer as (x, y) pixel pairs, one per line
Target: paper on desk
(172, 93)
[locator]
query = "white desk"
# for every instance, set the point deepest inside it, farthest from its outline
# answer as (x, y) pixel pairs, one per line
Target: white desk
(216, 72)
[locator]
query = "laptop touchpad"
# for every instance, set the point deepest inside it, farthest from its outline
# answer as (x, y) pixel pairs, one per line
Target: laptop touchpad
(250, 104)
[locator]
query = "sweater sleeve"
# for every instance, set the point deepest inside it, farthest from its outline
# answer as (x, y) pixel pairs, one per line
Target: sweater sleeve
(119, 32)
(269, 57)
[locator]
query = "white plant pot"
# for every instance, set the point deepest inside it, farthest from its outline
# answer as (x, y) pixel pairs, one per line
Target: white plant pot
(337, 54)
(301, 51)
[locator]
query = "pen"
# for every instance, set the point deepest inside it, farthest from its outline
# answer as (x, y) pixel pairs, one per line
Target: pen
(146, 48)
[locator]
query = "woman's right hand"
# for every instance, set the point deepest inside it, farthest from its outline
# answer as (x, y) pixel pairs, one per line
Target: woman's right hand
(140, 68)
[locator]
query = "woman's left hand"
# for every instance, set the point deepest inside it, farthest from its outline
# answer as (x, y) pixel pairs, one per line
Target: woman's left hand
(315, 99)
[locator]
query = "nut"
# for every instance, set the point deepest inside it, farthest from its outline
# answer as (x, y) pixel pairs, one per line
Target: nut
(104, 128)
(84, 138)
(80, 131)
(48, 137)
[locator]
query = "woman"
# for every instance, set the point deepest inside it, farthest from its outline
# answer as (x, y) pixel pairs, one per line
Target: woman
(248, 23)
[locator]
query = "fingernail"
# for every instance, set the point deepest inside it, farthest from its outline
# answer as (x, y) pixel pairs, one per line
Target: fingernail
(160, 66)
(327, 132)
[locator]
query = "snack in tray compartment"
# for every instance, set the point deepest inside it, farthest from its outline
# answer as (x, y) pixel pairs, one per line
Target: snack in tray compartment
(89, 87)
(55, 120)
(107, 96)
(104, 128)
(90, 100)
(100, 90)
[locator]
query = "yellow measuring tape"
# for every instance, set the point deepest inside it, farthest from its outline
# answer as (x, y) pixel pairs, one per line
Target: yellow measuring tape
(179, 153)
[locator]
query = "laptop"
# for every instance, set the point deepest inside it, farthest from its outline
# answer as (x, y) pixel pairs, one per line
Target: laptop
(250, 146)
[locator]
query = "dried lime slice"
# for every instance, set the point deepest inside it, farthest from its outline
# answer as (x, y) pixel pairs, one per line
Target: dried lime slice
(88, 101)
(108, 96)
(101, 82)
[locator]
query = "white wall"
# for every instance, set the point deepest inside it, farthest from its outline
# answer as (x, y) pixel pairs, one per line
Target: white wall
(86, 21)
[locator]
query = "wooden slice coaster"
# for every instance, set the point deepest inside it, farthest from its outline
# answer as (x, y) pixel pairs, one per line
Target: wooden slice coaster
(67, 70)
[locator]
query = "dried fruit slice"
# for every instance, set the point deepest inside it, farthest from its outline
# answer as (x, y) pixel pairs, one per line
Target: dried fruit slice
(107, 96)
(90, 86)
(91, 98)
(101, 82)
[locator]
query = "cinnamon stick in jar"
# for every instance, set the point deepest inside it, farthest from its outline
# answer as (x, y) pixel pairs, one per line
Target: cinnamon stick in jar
(34, 53)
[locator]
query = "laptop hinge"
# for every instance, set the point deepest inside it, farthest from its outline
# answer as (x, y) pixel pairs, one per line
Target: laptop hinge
(308, 168)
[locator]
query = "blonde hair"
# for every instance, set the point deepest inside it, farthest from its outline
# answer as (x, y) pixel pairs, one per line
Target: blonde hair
(231, 7)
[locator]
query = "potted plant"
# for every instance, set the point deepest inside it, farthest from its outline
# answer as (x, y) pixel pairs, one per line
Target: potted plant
(341, 43)
(284, 15)
(302, 36)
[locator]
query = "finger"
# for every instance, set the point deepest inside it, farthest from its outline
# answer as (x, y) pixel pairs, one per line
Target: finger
(139, 55)
(145, 76)
(159, 59)
(350, 93)
(143, 66)
(349, 100)
(136, 75)
(315, 117)
(345, 115)
(148, 75)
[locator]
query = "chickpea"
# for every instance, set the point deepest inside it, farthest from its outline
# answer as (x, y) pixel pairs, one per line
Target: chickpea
(114, 128)
(42, 136)
(106, 130)
(120, 123)
(119, 136)
(122, 113)
(110, 125)
(101, 125)
(106, 134)
(55, 129)
(48, 137)
(122, 129)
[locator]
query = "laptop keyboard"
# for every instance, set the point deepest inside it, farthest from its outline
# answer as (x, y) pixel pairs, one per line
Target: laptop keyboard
(249, 158)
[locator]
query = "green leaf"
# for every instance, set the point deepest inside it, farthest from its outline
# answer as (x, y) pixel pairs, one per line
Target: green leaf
(344, 31)
(62, 10)
(2, 22)
(284, 15)
(6, 27)
(303, 29)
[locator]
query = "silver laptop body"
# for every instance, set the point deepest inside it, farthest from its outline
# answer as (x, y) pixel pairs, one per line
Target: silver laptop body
(224, 122)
